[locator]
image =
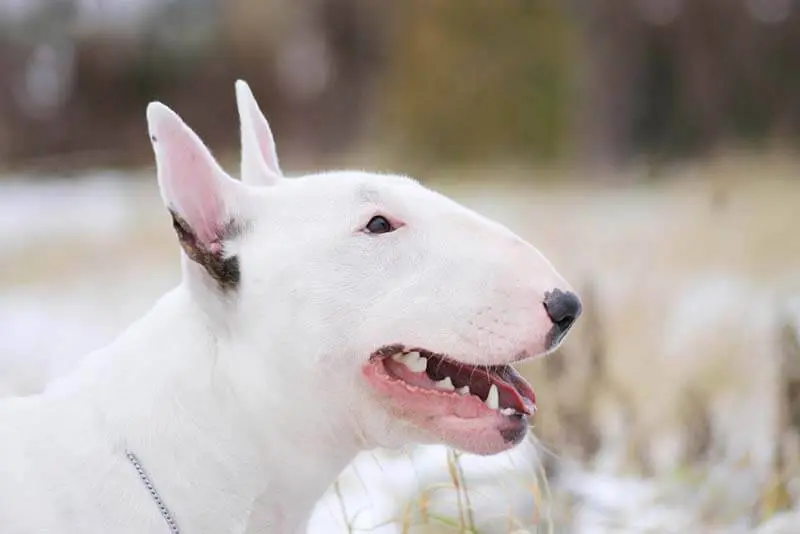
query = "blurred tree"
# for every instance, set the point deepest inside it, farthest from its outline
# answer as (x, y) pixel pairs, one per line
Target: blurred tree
(478, 80)
(676, 78)
(613, 79)
(77, 76)
(437, 80)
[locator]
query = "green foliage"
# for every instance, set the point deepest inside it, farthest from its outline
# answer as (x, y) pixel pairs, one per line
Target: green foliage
(480, 80)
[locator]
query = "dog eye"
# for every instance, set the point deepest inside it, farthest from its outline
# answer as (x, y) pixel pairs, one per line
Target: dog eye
(379, 225)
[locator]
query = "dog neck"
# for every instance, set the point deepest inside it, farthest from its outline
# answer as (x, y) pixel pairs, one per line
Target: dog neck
(224, 445)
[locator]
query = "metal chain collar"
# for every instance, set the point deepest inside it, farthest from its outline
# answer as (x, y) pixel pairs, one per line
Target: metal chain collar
(165, 513)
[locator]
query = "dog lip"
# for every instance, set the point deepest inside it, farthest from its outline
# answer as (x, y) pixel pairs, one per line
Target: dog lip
(516, 430)
(514, 391)
(388, 350)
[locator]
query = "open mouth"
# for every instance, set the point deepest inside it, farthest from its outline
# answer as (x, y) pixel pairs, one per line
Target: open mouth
(464, 390)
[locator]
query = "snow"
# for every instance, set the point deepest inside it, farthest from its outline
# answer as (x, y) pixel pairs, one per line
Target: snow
(49, 323)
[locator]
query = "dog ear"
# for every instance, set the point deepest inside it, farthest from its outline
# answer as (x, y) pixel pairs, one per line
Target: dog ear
(259, 157)
(200, 196)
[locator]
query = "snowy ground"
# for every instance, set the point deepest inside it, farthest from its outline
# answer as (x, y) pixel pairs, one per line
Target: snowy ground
(85, 258)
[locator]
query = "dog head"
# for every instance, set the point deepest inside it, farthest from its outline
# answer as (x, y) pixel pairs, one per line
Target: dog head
(364, 296)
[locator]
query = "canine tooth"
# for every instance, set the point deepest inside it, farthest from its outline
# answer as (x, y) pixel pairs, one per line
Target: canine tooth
(415, 362)
(507, 411)
(493, 398)
(445, 384)
(463, 390)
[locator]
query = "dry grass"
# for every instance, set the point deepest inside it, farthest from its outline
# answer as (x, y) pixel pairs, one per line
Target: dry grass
(690, 276)
(671, 375)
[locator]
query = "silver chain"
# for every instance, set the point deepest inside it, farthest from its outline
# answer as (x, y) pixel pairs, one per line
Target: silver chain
(165, 513)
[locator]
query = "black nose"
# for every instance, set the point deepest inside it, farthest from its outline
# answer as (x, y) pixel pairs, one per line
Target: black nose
(563, 307)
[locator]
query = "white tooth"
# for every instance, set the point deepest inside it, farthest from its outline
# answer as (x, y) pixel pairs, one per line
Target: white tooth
(507, 411)
(493, 398)
(445, 384)
(415, 362)
(463, 390)
(398, 357)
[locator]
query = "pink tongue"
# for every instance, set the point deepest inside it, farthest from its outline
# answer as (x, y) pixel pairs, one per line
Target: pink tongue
(407, 375)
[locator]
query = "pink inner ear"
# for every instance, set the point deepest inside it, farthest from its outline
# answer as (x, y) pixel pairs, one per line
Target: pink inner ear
(265, 140)
(256, 123)
(190, 178)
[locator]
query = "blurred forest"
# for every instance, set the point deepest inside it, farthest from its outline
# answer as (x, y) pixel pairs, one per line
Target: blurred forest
(603, 82)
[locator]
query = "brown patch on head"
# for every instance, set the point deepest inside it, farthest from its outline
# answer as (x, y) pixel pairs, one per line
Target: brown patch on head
(224, 270)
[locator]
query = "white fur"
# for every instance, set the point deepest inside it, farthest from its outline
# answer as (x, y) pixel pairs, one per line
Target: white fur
(259, 158)
(244, 405)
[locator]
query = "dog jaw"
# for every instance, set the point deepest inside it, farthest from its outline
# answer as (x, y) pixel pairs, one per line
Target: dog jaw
(474, 409)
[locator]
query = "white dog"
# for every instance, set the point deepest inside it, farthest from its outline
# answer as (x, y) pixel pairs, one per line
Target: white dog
(317, 317)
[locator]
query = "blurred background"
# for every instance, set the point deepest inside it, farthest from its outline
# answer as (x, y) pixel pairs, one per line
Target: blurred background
(649, 148)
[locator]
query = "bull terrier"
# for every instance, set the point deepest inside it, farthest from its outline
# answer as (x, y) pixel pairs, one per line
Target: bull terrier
(316, 317)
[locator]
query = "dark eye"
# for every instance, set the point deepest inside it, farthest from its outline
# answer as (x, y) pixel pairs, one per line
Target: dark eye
(379, 225)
